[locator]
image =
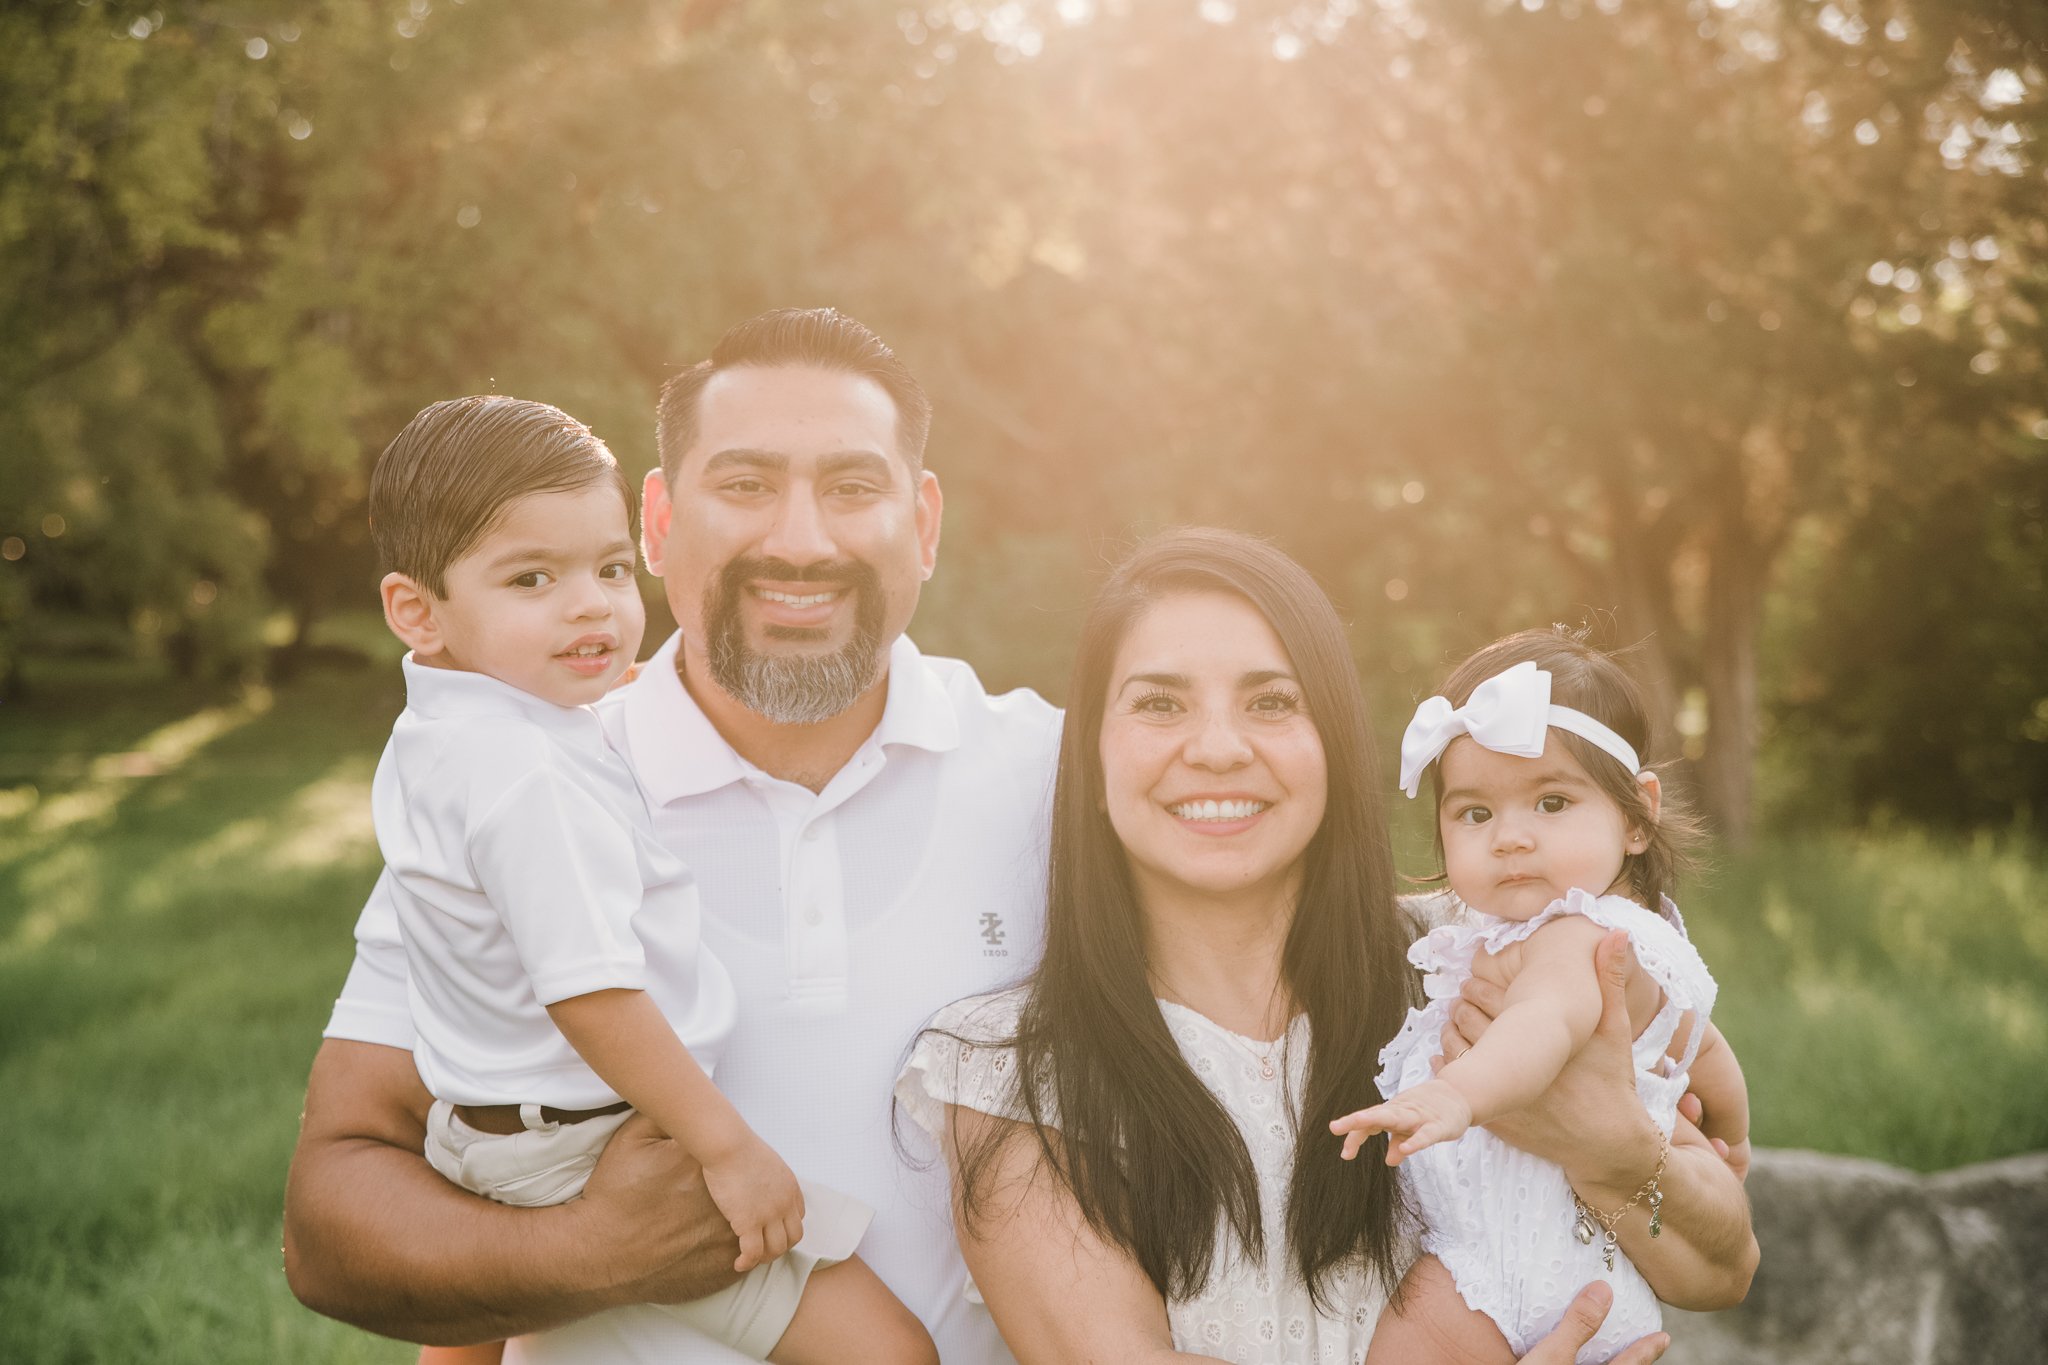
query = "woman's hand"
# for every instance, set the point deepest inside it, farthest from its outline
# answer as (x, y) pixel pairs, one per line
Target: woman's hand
(1598, 1080)
(1581, 1321)
(1592, 1125)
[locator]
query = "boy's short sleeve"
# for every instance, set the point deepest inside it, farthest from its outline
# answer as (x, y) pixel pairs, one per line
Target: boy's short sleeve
(564, 875)
(372, 1007)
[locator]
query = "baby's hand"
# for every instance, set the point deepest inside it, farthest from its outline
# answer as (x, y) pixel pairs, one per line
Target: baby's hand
(1418, 1117)
(758, 1195)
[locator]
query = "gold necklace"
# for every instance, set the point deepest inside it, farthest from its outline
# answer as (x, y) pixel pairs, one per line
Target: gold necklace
(1264, 1059)
(1267, 1071)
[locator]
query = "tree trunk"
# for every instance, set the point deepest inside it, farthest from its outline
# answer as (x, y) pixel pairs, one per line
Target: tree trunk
(1737, 569)
(1647, 626)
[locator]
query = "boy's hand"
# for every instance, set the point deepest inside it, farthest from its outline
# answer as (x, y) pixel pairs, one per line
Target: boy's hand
(758, 1195)
(1418, 1117)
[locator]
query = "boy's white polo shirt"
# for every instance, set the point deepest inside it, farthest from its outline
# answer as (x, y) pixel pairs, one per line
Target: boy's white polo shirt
(523, 872)
(845, 918)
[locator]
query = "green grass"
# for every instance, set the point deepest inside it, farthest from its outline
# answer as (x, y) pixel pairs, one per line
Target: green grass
(178, 876)
(179, 872)
(1887, 993)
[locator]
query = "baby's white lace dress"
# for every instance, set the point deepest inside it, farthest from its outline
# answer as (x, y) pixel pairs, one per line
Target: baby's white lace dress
(1498, 1218)
(1254, 1313)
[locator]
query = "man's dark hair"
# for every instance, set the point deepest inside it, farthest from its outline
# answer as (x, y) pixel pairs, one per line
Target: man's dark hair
(443, 483)
(822, 337)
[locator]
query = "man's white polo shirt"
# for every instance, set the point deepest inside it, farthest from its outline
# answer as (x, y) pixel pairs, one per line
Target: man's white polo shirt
(845, 917)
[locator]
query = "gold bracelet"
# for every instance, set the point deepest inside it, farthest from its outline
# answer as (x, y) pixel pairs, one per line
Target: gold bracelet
(1582, 1226)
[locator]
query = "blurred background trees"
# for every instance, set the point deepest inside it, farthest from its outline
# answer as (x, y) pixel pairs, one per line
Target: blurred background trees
(1719, 323)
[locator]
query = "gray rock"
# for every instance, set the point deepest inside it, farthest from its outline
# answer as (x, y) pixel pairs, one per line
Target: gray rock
(1867, 1264)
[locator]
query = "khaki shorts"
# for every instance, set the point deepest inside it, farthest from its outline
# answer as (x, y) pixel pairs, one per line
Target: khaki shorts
(549, 1163)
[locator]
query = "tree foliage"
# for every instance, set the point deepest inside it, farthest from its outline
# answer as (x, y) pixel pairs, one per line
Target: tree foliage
(1493, 312)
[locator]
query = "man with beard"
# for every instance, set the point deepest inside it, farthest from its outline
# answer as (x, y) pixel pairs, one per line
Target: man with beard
(866, 826)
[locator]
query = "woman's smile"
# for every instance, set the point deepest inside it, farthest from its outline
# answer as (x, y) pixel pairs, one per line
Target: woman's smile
(1212, 816)
(1213, 771)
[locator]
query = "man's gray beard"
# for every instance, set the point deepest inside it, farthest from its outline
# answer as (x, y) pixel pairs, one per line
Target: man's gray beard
(793, 689)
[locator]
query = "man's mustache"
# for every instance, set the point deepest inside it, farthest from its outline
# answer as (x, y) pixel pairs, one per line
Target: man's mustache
(852, 573)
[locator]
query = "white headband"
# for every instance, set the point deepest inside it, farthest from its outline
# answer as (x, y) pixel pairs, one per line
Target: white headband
(1509, 713)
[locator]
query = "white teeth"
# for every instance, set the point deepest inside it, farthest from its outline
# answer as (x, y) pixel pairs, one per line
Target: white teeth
(1218, 810)
(585, 651)
(794, 600)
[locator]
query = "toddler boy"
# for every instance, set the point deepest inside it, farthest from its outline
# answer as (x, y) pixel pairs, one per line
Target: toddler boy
(556, 979)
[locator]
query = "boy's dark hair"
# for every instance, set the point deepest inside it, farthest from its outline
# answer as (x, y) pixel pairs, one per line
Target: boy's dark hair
(822, 337)
(442, 484)
(1589, 680)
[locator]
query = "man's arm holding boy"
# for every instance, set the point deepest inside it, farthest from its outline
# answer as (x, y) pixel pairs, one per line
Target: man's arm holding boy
(374, 1236)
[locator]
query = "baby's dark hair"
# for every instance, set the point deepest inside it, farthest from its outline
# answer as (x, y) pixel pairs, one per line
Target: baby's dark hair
(1589, 680)
(443, 483)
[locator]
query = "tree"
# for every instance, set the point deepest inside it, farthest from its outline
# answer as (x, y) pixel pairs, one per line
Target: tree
(1493, 314)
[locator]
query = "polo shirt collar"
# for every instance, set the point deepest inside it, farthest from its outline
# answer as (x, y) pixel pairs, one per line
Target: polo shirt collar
(677, 752)
(448, 693)
(919, 711)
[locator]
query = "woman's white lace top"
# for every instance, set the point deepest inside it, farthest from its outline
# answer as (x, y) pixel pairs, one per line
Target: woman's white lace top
(1498, 1218)
(1255, 1313)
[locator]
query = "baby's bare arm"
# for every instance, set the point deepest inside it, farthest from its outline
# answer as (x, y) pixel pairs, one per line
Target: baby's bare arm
(1553, 1004)
(1716, 1077)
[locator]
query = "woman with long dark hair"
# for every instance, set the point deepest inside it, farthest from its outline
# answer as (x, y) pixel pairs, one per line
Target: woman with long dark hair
(1139, 1134)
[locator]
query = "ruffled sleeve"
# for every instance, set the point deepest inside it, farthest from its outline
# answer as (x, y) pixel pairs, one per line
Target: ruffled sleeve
(1662, 949)
(1668, 957)
(963, 1057)
(1445, 954)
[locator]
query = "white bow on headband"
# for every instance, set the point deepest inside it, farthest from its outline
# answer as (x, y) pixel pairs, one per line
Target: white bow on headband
(1509, 713)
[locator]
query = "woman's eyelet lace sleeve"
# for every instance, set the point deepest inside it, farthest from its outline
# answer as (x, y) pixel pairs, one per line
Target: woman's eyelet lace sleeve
(963, 1057)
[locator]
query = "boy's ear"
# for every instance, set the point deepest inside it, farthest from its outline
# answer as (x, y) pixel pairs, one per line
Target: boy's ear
(409, 611)
(1653, 794)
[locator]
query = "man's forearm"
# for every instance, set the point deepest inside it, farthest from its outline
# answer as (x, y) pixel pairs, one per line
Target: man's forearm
(375, 1237)
(1706, 1253)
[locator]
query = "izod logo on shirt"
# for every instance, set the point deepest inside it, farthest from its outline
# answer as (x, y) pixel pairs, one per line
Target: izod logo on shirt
(993, 934)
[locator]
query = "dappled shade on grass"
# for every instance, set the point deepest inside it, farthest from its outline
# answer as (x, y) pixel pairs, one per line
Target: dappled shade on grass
(173, 932)
(170, 942)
